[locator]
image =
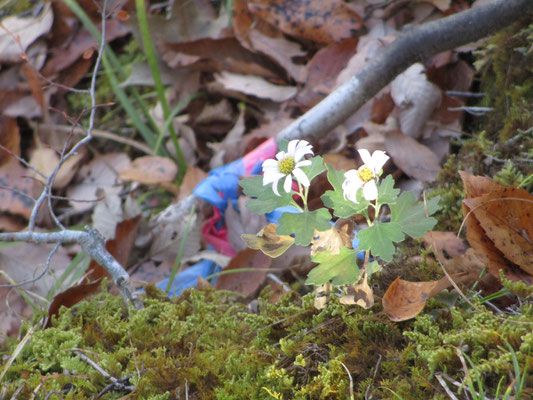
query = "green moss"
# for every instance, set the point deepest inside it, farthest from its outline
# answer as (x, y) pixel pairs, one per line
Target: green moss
(507, 80)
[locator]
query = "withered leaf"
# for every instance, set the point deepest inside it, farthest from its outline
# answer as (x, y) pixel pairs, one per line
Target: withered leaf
(268, 241)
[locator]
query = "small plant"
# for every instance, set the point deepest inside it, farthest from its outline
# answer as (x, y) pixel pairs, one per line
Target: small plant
(355, 192)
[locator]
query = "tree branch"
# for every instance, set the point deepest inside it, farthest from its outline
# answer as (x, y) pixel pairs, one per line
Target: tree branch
(413, 44)
(93, 243)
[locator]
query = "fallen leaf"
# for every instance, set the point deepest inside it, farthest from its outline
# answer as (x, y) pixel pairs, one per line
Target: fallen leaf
(192, 178)
(506, 216)
(416, 97)
(503, 221)
(228, 150)
(255, 86)
(168, 230)
(16, 193)
(404, 300)
(316, 20)
(360, 294)
(107, 214)
(446, 244)
(217, 55)
(17, 34)
(322, 70)
(45, 160)
(9, 139)
(101, 172)
(61, 58)
(413, 158)
(150, 170)
(268, 241)
(244, 282)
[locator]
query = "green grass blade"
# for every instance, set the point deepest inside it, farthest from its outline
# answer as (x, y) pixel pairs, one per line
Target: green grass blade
(158, 82)
(181, 250)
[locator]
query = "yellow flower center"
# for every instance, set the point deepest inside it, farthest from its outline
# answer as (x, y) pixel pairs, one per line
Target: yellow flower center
(365, 174)
(286, 166)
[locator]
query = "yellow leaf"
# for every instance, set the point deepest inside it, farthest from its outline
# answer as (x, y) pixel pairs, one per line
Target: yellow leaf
(268, 241)
(331, 240)
(46, 159)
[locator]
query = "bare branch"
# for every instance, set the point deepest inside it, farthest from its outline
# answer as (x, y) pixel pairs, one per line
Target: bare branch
(413, 44)
(94, 245)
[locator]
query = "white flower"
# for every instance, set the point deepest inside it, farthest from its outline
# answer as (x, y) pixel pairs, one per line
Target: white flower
(365, 176)
(286, 165)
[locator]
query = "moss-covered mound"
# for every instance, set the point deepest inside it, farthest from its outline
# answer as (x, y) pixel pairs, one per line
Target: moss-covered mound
(208, 345)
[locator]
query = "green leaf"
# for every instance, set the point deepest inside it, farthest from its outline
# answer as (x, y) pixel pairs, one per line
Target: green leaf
(267, 200)
(315, 169)
(411, 215)
(379, 239)
(386, 192)
(341, 268)
(335, 199)
(303, 225)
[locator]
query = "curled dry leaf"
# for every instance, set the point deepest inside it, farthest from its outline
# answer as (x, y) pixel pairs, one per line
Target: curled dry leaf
(403, 299)
(360, 294)
(499, 226)
(331, 240)
(417, 98)
(268, 241)
(45, 160)
(255, 86)
(150, 170)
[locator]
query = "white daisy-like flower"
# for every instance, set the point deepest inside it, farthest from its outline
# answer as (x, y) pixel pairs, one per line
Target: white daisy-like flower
(286, 165)
(365, 176)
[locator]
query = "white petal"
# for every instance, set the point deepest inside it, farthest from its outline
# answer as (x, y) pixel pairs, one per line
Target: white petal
(281, 155)
(304, 163)
(353, 178)
(272, 177)
(302, 149)
(301, 177)
(270, 163)
(287, 185)
(365, 156)
(379, 158)
(275, 188)
(292, 147)
(370, 191)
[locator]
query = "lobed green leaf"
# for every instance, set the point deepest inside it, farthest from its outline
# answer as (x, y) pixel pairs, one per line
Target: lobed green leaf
(379, 239)
(303, 225)
(339, 268)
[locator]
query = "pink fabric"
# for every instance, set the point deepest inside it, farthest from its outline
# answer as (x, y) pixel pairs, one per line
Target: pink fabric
(261, 153)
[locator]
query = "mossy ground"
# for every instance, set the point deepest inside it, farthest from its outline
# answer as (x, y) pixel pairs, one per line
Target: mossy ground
(209, 345)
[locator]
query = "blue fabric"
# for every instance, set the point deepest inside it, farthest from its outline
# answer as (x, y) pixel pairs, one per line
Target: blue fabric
(189, 277)
(223, 180)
